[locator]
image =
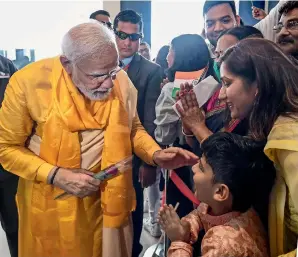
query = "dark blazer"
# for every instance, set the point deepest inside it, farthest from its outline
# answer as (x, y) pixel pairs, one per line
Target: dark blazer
(7, 69)
(146, 77)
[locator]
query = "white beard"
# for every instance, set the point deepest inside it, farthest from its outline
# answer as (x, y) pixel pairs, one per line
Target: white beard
(97, 94)
(94, 95)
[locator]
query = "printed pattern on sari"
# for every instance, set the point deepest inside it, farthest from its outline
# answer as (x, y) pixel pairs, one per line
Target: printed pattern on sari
(213, 108)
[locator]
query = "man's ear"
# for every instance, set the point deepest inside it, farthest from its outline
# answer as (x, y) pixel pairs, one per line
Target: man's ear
(66, 64)
(238, 19)
(221, 193)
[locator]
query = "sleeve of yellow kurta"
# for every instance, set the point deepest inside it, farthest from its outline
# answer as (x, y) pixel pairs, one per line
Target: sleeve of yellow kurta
(288, 161)
(143, 144)
(15, 127)
(291, 254)
(282, 148)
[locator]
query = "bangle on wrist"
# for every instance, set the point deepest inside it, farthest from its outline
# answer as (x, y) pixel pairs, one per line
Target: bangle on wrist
(186, 135)
(53, 176)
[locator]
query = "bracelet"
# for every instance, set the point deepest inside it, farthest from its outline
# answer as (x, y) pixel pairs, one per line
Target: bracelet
(186, 135)
(53, 176)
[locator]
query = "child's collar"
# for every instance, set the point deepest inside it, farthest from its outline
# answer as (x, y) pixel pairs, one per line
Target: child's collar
(217, 220)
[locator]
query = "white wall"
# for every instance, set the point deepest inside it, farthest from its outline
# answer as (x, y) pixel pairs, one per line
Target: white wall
(113, 7)
(41, 24)
(171, 19)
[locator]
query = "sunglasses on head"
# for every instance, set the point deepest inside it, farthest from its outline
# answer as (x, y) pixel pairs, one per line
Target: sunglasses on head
(133, 37)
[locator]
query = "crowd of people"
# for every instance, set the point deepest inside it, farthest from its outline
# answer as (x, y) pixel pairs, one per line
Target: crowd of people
(232, 188)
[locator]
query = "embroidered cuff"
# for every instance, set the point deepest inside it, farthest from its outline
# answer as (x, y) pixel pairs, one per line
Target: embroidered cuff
(181, 246)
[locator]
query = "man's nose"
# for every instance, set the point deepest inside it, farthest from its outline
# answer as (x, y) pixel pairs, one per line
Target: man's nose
(284, 32)
(127, 41)
(218, 26)
(106, 84)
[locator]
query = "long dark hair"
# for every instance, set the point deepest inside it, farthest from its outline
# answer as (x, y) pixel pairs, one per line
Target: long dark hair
(261, 62)
(191, 54)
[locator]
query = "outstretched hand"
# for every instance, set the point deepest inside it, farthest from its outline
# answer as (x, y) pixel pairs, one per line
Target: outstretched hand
(174, 158)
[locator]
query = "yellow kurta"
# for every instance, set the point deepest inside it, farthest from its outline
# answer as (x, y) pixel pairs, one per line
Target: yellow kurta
(70, 228)
(282, 149)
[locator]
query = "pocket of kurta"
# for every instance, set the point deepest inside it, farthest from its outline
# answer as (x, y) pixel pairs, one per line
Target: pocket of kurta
(44, 215)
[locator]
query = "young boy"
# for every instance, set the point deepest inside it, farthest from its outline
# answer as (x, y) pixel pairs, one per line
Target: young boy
(232, 176)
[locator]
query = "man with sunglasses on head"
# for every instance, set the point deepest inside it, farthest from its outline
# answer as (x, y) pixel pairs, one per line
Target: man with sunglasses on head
(103, 17)
(146, 77)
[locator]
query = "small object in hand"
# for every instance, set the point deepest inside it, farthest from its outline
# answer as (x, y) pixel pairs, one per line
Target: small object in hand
(106, 174)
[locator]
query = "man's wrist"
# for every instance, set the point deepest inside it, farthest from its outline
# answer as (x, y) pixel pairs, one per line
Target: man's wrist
(154, 157)
(52, 174)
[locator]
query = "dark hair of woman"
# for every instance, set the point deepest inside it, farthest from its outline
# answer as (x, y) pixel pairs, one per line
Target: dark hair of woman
(191, 54)
(243, 32)
(161, 58)
(261, 62)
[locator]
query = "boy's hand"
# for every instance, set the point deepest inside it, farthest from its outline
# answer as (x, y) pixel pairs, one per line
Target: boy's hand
(175, 229)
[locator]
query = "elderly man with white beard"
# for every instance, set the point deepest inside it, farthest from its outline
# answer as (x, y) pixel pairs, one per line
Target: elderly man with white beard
(62, 119)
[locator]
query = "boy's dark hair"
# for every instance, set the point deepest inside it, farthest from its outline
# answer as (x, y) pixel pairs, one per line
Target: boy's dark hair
(287, 7)
(240, 163)
(102, 12)
(129, 16)
(242, 32)
(210, 3)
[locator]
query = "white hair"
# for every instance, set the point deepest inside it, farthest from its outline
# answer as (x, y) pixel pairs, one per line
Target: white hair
(88, 40)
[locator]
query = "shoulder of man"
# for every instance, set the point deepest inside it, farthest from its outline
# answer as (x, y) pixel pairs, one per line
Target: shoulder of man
(6, 66)
(150, 66)
(39, 72)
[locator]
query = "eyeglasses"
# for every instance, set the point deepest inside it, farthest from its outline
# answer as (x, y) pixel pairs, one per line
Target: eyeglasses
(100, 77)
(108, 24)
(133, 37)
(290, 26)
